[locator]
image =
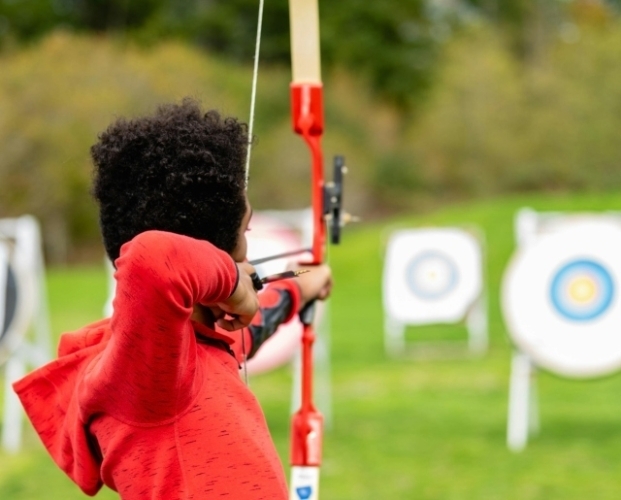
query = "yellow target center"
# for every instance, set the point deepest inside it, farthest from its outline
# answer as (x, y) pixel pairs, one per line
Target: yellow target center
(582, 289)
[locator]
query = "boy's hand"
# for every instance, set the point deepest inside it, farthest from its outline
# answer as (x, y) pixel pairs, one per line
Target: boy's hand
(239, 309)
(314, 285)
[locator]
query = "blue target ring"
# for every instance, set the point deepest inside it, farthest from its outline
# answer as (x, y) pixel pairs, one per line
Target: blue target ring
(431, 275)
(582, 290)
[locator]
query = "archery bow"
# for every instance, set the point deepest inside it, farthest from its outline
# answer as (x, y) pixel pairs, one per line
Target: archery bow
(307, 117)
(308, 122)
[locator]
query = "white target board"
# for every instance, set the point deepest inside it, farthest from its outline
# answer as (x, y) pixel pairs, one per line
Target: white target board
(432, 275)
(22, 281)
(268, 236)
(24, 329)
(561, 301)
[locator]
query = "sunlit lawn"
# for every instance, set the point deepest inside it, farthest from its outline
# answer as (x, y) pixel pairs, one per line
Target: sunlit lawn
(431, 429)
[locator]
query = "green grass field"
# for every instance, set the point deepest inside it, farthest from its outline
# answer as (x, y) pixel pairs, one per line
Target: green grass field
(405, 429)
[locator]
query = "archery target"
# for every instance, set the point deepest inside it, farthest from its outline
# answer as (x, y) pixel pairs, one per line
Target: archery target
(560, 298)
(20, 281)
(431, 275)
(271, 236)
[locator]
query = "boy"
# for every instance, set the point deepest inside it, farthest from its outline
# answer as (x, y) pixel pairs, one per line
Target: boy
(150, 402)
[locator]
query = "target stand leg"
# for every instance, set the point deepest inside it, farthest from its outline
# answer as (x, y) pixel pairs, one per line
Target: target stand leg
(12, 429)
(523, 419)
(477, 325)
(394, 336)
(533, 414)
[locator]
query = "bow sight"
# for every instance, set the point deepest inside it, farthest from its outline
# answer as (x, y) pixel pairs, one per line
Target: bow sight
(333, 200)
(333, 211)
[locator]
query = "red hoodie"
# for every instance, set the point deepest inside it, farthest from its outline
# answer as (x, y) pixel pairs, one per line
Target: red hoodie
(149, 402)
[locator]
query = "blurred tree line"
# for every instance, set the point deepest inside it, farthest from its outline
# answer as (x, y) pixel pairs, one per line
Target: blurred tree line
(393, 42)
(396, 44)
(429, 100)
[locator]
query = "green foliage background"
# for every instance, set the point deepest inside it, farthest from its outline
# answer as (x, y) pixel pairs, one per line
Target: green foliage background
(494, 126)
(392, 42)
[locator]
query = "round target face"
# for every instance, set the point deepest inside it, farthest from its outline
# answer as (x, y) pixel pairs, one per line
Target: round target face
(431, 275)
(582, 290)
(10, 301)
(270, 236)
(560, 300)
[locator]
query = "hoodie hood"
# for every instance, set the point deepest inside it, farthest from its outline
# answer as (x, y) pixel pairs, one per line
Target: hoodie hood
(50, 397)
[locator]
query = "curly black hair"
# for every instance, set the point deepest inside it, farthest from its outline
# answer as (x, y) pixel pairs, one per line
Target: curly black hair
(180, 170)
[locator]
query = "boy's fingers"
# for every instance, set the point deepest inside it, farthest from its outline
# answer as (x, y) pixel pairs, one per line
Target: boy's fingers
(217, 312)
(226, 324)
(232, 323)
(325, 292)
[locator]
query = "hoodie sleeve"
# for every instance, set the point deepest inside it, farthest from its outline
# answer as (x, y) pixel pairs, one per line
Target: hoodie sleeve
(278, 304)
(147, 372)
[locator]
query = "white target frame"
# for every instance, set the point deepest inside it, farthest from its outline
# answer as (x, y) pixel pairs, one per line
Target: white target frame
(26, 343)
(561, 301)
(434, 275)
